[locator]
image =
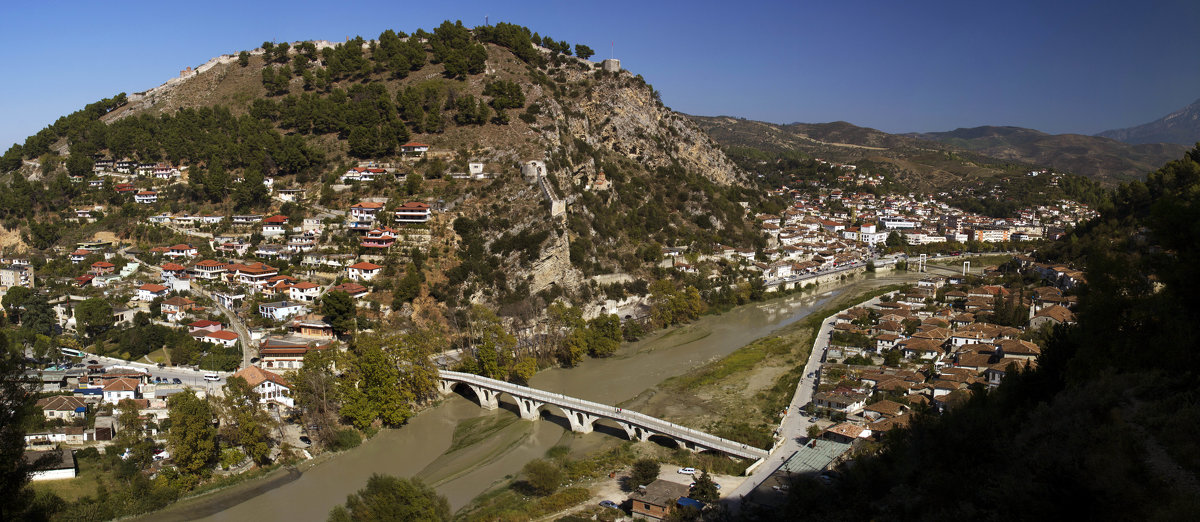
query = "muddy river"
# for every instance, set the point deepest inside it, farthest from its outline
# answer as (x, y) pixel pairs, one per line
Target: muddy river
(422, 447)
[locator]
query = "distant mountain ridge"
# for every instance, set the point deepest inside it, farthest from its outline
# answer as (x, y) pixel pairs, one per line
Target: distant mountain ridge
(943, 159)
(1104, 159)
(1181, 127)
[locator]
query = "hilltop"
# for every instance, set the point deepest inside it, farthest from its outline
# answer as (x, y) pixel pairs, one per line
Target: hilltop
(623, 175)
(1181, 127)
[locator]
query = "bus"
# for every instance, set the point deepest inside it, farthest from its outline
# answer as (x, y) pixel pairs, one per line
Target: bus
(71, 352)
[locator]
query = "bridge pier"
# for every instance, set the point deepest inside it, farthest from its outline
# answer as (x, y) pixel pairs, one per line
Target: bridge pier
(635, 432)
(580, 421)
(488, 399)
(528, 408)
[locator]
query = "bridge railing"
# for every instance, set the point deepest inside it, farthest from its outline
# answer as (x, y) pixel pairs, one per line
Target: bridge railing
(604, 410)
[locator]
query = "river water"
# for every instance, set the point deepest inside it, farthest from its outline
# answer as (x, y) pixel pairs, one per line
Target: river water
(420, 448)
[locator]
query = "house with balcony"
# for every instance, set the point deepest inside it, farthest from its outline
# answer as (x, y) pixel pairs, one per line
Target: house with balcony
(380, 238)
(145, 197)
(281, 310)
(287, 354)
(362, 174)
(233, 247)
(226, 338)
(173, 271)
(362, 215)
(413, 148)
(274, 225)
(209, 270)
(246, 219)
(412, 212)
(149, 291)
(363, 271)
(182, 250)
(253, 274)
(302, 243)
(312, 325)
(270, 388)
(304, 292)
(102, 268)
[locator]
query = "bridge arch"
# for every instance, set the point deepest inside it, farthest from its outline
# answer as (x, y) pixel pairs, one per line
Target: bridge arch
(582, 416)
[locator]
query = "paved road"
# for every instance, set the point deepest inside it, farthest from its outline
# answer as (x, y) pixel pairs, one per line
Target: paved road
(794, 426)
(188, 376)
(239, 327)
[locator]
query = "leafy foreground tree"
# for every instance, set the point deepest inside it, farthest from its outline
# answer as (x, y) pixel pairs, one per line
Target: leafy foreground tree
(246, 424)
(193, 438)
(16, 405)
(542, 477)
(644, 472)
(393, 498)
(705, 489)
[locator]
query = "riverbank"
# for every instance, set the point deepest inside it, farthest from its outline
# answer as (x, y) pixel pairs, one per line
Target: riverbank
(426, 447)
(742, 396)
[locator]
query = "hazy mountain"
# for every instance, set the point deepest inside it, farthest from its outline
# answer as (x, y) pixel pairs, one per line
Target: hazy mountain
(1103, 159)
(946, 159)
(1181, 127)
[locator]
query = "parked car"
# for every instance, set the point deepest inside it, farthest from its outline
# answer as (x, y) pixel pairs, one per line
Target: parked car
(93, 361)
(687, 471)
(305, 439)
(176, 381)
(608, 504)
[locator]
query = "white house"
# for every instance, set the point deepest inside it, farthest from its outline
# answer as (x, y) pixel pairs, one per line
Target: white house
(413, 147)
(362, 215)
(225, 338)
(363, 271)
(61, 465)
(274, 225)
(149, 291)
(119, 389)
(146, 197)
(271, 388)
(412, 212)
(281, 310)
(304, 291)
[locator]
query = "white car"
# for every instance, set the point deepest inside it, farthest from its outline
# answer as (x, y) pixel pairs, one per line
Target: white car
(687, 471)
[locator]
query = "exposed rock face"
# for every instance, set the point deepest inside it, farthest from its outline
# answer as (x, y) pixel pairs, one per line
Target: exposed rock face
(623, 114)
(554, 268)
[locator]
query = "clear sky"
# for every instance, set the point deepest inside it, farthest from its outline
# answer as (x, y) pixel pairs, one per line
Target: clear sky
(1056, 66)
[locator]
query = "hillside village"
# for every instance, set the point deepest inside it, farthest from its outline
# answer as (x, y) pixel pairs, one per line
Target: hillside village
(481, 257)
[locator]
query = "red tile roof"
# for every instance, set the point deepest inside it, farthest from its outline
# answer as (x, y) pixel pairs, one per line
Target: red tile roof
(151, 287)
(255, 376)
(363, 265)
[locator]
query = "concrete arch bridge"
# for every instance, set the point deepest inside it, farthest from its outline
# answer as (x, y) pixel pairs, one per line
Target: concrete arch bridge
(582, 414)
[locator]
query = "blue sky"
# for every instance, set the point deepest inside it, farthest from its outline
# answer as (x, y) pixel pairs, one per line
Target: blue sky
(1056, 66)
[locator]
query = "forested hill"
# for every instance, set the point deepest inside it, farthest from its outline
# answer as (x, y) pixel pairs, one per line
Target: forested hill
(302, 114)
(1102, 429)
